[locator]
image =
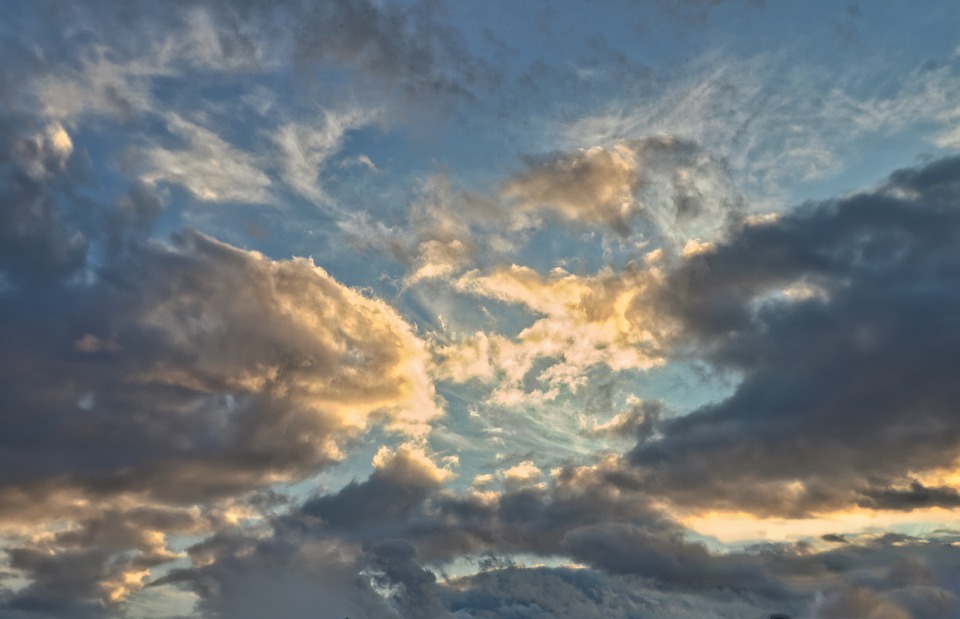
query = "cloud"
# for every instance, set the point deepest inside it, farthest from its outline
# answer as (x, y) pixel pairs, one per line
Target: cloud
(36, 244)
(316, 359)
(288, 576)
(622, 548)
(581, 321)
(773, 129)
(593, 186)
(839, 392)
(397, 529)
(186, 374)
(410, 45)
(860, 602)
(123, 53)
(400, 482)
(209, 168)
(671, 186)
(307, 147)
(917, 496)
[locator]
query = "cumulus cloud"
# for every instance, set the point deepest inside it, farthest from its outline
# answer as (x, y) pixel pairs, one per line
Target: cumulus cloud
(629, 546)
(186, 374)
(315, 358)
(36, 244)
(668, 184)
(840, 391)
(593, 186)
(581, 321)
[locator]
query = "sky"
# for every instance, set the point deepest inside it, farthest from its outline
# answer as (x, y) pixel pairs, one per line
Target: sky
(429, 309)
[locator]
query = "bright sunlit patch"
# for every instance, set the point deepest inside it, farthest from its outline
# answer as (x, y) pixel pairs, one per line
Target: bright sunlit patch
(742, 527)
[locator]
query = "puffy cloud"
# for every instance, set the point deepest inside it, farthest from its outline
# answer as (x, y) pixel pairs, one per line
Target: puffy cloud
(398, 528)
(840, 391)
(593, 186)
(225, 366)
(36, 245)
(185, 374)
(400, 482)
(581, 321)
(668, 184)
(289, 576)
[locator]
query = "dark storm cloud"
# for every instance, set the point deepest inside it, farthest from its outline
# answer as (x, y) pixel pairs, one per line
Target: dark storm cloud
(414, 588)
(385, 500)
(285, 576)
(842, 318)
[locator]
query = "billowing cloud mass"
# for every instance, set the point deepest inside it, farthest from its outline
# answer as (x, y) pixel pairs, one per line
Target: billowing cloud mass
(848, 390)
(436, 310)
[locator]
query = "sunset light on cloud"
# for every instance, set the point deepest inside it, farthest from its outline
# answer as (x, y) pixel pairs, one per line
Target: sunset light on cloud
(403, 309)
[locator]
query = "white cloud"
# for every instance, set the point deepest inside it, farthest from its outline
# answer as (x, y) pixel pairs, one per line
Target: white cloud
(307, 147)
(582, 321)
(209, 167)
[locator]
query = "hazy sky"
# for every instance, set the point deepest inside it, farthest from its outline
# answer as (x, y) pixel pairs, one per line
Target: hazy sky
(479, 310)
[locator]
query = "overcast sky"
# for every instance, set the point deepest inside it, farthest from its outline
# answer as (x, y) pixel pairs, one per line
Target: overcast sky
(479, 310)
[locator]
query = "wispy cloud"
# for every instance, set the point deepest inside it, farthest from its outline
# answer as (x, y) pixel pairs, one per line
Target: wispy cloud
(209, 168)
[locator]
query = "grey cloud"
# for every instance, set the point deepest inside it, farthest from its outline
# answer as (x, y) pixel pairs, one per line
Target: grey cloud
(386, 499)
(409, 44)
(834, 538)
(36, 244)
(289, 576)
(917, 496)
(182, 375)
(176, 385)
(639, 565)
(404, 500)
(621, 548)
(843, 390)
(414, 588)
(638, 422)
(541, 593)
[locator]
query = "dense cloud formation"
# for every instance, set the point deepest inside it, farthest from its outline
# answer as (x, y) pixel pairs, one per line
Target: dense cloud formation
(841, 318)
(645, 566)
(183, 374)
(150, 363)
